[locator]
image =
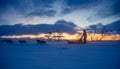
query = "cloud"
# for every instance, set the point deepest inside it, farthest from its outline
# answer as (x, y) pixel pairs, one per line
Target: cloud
(95, 27)
(105, 9)
(81, 12)
(49, 13)
(80, 2)
(2, 21)
(25, 6)
(114, 26)
(63, 22)
(19, 29)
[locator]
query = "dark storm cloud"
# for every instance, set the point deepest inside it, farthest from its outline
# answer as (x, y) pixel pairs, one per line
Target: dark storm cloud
(19, 29)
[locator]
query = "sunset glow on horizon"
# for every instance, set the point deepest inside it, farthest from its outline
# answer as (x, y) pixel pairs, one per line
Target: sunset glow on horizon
(66, 36)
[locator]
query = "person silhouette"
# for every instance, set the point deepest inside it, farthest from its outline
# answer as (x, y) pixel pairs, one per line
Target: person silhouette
(84, 37)
(82, 40)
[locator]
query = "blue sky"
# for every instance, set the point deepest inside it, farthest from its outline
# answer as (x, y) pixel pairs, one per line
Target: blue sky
(80, 12)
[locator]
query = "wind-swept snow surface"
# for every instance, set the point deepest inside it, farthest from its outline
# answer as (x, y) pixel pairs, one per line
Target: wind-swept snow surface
(60, 55)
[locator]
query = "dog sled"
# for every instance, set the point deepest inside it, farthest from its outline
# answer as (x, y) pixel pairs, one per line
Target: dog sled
(76, 42)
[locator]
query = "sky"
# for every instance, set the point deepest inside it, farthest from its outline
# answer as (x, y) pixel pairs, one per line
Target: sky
(80, 12)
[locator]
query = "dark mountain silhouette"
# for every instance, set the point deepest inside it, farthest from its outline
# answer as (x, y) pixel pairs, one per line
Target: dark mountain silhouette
(114, 26)
(19, 29)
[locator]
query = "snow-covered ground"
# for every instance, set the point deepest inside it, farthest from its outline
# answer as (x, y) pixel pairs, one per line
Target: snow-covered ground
(60, 55)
